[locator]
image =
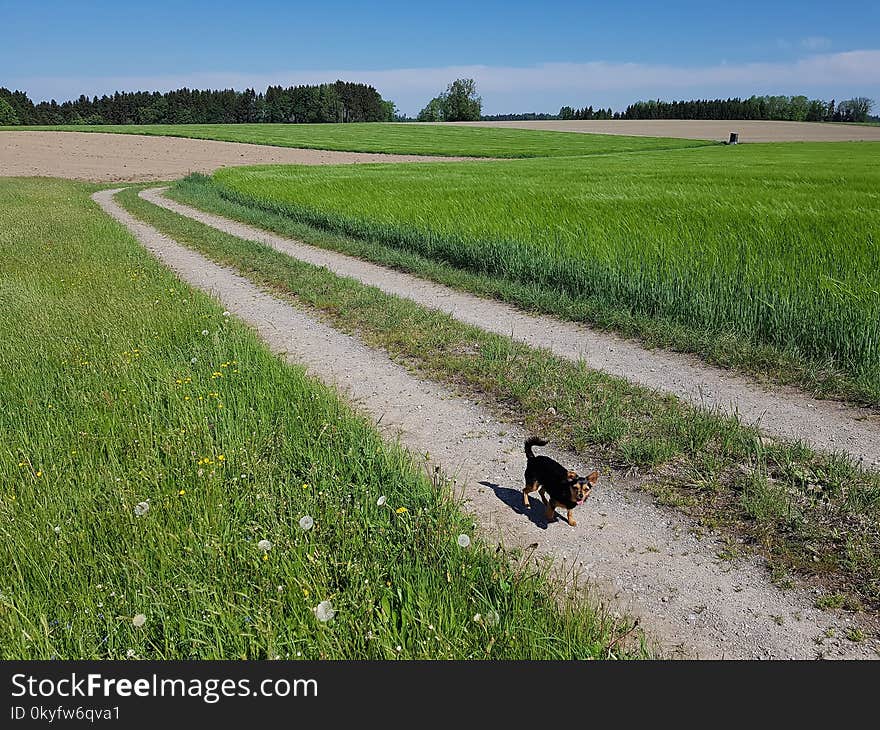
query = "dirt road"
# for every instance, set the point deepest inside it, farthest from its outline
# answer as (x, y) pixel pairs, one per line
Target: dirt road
(101, 157)
(644, 558)
(784, 412)
(719, 130)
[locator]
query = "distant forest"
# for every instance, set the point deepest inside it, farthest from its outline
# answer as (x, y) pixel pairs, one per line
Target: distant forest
(526, 117)
(789, 108)
(349, 102)
(338, 102)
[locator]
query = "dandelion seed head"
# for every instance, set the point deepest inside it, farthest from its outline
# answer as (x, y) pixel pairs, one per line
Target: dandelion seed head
(464, 541)
(57, 529)
(193, 360)
(381, 501)
(141, 508)
(264, 545)
(226, 313)
(491, 618)
(306, 522)
(139, 620)
(324, 611)
(204, 332)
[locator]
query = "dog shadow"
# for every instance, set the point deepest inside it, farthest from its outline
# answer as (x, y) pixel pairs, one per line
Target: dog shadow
(513, 498)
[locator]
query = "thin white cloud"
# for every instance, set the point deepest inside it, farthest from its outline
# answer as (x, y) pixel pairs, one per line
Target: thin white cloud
(526, 88)
(816, 43)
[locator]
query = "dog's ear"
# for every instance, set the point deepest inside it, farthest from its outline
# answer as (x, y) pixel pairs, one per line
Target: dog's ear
(572, 476)
(593, 478)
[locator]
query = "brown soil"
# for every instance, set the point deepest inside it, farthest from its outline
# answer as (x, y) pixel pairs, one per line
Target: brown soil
(101, 157)
(749, 130)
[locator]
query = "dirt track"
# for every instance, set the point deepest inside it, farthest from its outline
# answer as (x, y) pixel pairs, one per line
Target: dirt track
(785, 412)
(643, 557)
(103, 157)
(749, 131)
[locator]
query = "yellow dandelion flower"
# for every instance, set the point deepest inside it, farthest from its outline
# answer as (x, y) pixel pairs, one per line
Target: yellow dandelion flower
(401, 510)
(181, 492)
(265, 556)
(220, 457)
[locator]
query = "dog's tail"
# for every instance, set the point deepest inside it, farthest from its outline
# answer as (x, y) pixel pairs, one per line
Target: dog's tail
(533, 441)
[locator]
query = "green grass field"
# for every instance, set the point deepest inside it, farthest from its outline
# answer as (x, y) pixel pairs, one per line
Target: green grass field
(812, 516)
(151, 444)
(773, 247)
(409, 139)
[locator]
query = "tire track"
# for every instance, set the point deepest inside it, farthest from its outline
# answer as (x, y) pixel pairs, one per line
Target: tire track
(642, 558)
(781, 411)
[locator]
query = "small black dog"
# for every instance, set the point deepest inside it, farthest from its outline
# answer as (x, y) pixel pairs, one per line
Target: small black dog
(564, 486)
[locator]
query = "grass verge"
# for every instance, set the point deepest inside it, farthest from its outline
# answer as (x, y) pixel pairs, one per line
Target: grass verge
(152, 444)
(815, 517)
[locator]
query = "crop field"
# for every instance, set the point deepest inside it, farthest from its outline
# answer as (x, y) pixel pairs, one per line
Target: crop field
(773, 247)
(170, 489)
(408, 139)
(759, 494)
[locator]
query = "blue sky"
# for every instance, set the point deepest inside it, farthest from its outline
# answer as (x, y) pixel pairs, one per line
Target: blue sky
(526, 56)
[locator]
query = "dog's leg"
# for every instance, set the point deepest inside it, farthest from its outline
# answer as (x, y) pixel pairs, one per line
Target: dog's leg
(550, 513)
(571, 520)
(529, 488)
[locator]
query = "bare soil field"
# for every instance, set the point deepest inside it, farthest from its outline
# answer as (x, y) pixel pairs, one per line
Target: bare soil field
(98, 157)
(749, 130)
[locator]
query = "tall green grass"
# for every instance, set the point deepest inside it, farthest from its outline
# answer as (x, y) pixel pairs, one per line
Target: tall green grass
(120, 387)
(773, 244)
(810, 515)
(409, 139)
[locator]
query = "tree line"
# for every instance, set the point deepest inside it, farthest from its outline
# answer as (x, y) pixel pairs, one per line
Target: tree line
(337, 102)
(788, 108)
(524, 117)
(351, 102)
(586, 112)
